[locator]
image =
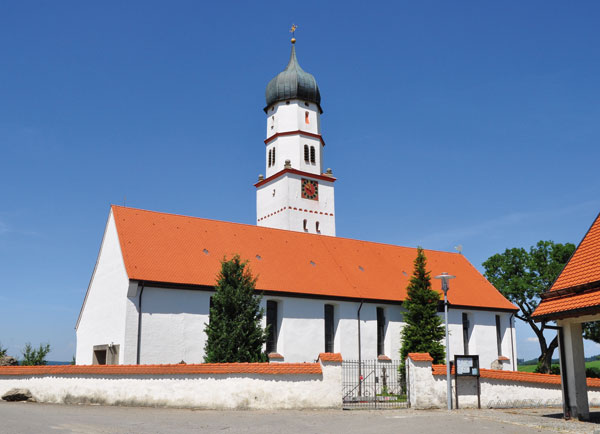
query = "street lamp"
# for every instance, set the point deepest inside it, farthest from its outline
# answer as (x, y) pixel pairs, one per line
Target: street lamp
(445, 277)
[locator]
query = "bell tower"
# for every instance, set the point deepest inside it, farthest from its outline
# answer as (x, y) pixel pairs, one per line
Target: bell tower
(295, 194)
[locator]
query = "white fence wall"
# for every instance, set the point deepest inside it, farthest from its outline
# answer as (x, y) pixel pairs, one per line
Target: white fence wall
(270, 386)
(499, 389)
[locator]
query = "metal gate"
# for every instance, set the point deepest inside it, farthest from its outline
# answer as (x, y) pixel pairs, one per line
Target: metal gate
(372, 384)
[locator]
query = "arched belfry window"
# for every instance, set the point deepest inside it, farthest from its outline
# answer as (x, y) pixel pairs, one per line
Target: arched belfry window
(306, 160)
(312, 154)
(273, 156)
(269, 158)
(306, 118)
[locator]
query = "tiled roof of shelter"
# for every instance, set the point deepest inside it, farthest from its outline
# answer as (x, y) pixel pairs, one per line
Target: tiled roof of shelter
(584, 267)
(577, 288)
(170, 248)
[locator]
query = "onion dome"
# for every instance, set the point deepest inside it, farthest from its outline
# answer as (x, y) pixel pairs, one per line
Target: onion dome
(293, 83)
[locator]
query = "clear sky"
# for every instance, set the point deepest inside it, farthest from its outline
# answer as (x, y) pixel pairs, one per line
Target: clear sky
(446, 123)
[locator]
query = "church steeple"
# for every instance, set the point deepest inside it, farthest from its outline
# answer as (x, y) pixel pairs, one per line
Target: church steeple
(296, 194)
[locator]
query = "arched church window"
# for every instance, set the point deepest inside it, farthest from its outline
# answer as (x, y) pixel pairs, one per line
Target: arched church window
(306, 118)
(312, 154)
(306, 160)
(305, 225)
(317, 228)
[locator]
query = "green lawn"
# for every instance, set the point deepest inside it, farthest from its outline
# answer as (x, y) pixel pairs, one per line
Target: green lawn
(530, 368)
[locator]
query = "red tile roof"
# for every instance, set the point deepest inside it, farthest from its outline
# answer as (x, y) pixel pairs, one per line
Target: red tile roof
(420, 357)
(187, 250)
(577, 288)
(584, 266)
(525, 377)
(330, 357)
(181, 369)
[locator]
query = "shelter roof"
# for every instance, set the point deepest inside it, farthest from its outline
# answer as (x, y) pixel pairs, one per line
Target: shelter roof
(576, 291)
(175, 249)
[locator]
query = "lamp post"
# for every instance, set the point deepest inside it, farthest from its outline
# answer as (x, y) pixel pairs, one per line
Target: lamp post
(444, 278)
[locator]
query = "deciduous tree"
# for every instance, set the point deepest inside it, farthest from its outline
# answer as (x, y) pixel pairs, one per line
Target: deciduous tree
(522, 276)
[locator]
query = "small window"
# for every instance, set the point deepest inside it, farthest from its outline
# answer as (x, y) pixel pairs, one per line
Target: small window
(99, 357)
(465, 324)
(273, 156)
(306, 118)
(269, 158)
(498, 335)
(305, 225)
(307, 104)
(380, 331)
(306, 156)
(317, 227)
(271, 326)
(312, 154)
(329, 335)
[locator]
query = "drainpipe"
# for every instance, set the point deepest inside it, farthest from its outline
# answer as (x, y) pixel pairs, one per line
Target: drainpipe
(139, 334)
(359, 352)
(512, 345)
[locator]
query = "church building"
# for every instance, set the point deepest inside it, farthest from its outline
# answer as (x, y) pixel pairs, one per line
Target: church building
(149, 296)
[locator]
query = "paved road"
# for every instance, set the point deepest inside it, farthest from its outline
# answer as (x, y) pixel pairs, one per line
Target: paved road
(17, 418)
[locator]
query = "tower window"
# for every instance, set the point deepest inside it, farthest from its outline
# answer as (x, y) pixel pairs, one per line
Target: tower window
(307, 104)
(312, 154)
(306, 118)
(317, 228)
(269, 158)
(271, 326)
(305, 225)
(273, 156)
(306, 160)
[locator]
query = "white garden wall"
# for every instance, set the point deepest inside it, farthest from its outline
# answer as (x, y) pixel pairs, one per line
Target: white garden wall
(231, 386)
(499, 389)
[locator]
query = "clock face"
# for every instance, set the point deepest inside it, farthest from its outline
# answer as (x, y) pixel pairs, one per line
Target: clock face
(310, 189)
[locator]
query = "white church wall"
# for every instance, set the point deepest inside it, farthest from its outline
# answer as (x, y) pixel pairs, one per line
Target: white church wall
(102, 320)
(482, 336)
(173, 328)
(173, 322)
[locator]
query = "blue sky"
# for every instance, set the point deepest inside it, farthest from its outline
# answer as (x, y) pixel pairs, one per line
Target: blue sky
(446, 123)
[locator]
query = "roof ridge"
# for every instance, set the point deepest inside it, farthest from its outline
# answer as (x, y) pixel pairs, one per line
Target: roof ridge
(285, 230)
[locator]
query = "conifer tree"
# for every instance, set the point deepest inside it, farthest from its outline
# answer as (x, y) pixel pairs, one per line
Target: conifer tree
(423, 330)
(234, 332)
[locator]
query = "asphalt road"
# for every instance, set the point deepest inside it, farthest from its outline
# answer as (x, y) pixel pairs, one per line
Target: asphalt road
(17, 418)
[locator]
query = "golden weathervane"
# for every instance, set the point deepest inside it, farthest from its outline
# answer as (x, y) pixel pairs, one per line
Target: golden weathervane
(293, 32)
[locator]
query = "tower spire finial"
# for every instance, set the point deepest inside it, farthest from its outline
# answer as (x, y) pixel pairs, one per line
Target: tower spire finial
(293, 32)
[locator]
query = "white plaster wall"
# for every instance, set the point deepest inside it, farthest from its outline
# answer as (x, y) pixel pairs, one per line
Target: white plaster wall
(429, 391)
(173, 327)
(103, 315)
(290, 117)
(250, 391)
(285, 191)
(173, 322)
(292, 148)
(482, 336)
(301, 331)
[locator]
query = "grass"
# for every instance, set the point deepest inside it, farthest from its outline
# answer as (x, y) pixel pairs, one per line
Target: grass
(531, 368)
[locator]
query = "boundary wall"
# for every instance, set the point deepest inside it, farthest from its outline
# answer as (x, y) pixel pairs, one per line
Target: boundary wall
(499, 389)
(209, 385)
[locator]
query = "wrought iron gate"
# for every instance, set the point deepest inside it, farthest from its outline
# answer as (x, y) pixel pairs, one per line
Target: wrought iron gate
(372, 384)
